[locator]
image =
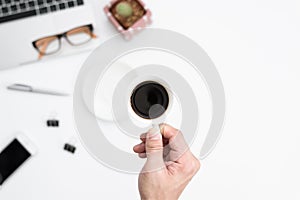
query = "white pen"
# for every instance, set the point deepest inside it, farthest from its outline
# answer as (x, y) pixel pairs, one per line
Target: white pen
(27, 88)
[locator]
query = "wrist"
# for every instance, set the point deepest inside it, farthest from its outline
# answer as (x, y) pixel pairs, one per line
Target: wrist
(158, 198)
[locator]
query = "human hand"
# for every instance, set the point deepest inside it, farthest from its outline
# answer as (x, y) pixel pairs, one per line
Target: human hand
(170, 164)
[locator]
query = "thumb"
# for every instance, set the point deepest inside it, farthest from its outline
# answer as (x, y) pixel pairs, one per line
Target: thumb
(154, 150)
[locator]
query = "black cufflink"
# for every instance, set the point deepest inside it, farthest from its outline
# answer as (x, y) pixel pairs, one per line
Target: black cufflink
(69, 148)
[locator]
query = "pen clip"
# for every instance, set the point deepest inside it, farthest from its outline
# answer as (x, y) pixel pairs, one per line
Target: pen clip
(21, 87)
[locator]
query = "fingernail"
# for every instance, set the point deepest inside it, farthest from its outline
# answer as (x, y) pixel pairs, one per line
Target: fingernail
(155, 129)
(154, 136)
(154, 133)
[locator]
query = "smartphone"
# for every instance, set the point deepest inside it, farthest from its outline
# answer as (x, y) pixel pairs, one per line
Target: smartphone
(14, 155)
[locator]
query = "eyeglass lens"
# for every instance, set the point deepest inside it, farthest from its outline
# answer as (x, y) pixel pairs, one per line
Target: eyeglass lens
(79, 36)
(48, 45)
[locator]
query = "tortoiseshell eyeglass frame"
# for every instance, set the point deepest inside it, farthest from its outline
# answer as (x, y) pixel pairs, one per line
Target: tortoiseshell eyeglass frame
(64, 35)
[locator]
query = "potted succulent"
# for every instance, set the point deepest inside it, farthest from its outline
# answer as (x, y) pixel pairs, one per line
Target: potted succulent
(128, 16)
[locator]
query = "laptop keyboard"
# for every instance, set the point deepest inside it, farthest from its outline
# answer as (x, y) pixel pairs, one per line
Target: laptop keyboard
(18, 9)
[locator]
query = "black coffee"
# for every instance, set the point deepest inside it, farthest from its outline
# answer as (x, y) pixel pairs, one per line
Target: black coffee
(146, 95)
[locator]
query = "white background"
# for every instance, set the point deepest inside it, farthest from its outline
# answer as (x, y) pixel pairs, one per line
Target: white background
(255, 46)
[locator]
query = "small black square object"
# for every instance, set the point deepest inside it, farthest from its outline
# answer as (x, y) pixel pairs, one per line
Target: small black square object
(22, 6)
(5, 10)
(69, 148)
(53, 8)
(62, 6)
(43, 10)
(31, 3)
(79, 2)
(53, 123)
(13, 8)
(71, 4)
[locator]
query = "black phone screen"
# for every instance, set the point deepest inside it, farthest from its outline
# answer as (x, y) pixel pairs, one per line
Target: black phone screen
(11, 158)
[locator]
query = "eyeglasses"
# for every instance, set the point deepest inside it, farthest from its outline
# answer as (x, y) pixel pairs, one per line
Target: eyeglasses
(75, 37)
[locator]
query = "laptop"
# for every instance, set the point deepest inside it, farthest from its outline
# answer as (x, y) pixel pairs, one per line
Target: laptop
(24, 21)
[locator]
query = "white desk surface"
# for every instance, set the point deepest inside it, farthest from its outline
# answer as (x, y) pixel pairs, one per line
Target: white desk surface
(255, 46)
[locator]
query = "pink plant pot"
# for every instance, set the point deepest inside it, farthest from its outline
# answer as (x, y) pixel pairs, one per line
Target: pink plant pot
(136, 27)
